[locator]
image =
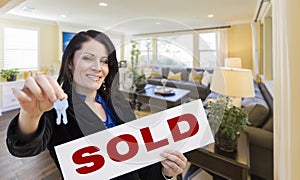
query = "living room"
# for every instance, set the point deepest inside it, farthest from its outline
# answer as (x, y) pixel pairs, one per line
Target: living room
(239, 44)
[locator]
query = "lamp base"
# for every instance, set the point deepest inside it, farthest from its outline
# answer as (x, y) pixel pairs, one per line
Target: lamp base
(236, 101)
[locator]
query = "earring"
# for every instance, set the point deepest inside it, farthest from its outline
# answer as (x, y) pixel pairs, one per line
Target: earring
(104, 86)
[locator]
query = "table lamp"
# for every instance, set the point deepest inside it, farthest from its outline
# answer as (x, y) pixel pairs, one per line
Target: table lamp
(234, 83)
(233, 62)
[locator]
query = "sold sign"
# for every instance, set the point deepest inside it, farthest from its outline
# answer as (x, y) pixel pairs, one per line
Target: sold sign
(136, 144)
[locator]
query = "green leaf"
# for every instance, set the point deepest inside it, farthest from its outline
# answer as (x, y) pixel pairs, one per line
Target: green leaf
(7, 73)
(229, 119)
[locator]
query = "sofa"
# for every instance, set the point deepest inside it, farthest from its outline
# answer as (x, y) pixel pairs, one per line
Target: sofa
(259, 129)
(260, 132)
(194, 79)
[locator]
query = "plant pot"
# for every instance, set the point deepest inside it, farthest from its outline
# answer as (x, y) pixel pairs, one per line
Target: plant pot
(140, 86)
(224, 143)
(12, 78)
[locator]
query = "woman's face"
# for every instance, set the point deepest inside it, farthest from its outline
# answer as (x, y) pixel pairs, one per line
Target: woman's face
(90, 67)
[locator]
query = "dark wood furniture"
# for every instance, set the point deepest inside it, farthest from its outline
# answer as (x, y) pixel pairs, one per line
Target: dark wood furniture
(221, 164)
(156, 102)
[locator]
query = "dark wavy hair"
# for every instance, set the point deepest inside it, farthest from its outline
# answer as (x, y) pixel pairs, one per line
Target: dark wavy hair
(65, 74)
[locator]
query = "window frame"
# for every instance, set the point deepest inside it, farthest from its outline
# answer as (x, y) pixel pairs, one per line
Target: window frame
(216, 50)
(221, 45)
(3, 27)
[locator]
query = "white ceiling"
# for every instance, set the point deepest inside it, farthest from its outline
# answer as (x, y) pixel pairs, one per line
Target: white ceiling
(139, 16)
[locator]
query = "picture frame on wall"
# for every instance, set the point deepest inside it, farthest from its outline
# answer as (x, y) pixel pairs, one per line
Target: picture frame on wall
(123, 63)
(66, 38)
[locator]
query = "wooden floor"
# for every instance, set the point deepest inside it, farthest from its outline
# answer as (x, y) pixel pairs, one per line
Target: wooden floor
(38, 167)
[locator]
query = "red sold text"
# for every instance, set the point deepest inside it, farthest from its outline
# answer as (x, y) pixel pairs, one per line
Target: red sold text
(79, 157)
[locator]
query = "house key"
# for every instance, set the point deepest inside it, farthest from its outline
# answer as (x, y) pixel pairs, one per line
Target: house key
(60, 107)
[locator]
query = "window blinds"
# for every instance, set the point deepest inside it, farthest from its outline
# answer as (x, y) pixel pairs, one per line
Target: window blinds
(20, 48)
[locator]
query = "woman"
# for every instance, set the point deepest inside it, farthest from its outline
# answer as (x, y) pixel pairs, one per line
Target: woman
(88, 79)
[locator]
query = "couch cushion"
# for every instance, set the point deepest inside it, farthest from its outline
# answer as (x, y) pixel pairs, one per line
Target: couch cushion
(268, 125)
(196, 76)
(257, 109)
(184, 72)
(156, 72)
(176, 77)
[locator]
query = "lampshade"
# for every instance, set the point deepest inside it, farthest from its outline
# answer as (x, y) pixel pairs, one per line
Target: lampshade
(233, 62)
(233, 82)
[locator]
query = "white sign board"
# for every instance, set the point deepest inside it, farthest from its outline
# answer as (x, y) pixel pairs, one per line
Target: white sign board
(136, 144)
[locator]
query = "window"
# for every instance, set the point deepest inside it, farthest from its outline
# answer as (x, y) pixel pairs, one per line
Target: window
(20, 48)
(117, 44)
(175, 50)
(208, 49)
(178, 49)
(145, 47)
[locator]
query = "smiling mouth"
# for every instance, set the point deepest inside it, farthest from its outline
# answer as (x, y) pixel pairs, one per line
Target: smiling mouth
(94, 77)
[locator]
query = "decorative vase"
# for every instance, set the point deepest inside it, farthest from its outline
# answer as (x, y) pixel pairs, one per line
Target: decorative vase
(164, 82)
(224, 143)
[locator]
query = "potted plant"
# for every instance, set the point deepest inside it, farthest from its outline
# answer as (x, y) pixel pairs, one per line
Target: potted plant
(226, 122)
(139, 78)
(9, 74)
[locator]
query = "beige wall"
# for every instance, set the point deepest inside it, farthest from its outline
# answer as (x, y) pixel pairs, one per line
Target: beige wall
(49, 42)
(240, 43)
(50, 53)
(267, 49)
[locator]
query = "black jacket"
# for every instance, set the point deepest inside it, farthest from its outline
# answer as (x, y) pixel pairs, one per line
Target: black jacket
(81, 121)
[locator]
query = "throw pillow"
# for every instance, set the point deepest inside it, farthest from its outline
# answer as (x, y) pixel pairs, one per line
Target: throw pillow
(196, 76)
(257, 110)
(156, 72)
(172, 76)
(206, 78)
(147, 71)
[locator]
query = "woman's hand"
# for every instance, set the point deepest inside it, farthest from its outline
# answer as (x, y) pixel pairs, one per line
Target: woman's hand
(37, 96)
(174, 163)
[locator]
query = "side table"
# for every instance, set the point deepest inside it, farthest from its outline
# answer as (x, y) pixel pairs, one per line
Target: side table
(222, 164)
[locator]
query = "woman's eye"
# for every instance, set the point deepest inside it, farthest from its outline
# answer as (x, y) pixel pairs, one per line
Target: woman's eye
(87, 58)
(104, 61)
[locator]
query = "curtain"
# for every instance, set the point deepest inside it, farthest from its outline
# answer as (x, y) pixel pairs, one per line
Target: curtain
(286, 88)
(254, 28)
(223, 46)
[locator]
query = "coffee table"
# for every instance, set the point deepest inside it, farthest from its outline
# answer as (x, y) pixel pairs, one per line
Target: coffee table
(157, 102)
(221, 164)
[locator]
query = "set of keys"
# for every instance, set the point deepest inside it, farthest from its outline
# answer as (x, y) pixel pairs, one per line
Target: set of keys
(61, 106)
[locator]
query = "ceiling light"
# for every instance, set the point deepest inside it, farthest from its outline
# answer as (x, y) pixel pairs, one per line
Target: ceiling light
(210, 15)
(103, 4)
(29, 9)
(157, 23)
(63, 16)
